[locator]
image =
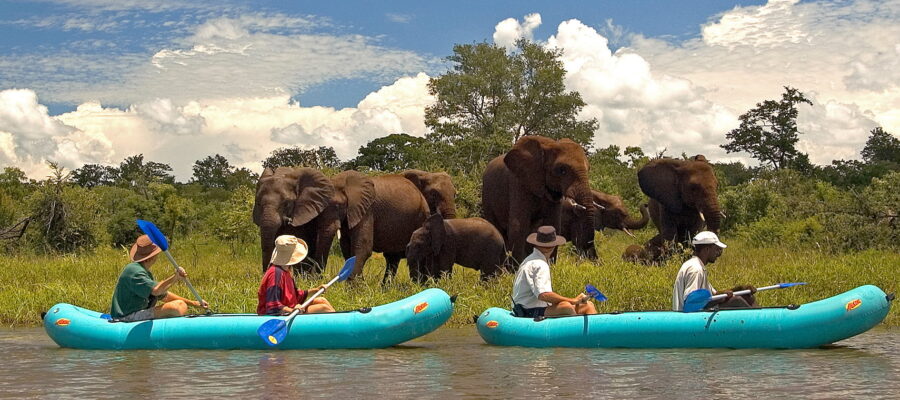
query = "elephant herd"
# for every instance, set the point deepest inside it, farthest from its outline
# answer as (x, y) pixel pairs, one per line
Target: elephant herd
(412, 215)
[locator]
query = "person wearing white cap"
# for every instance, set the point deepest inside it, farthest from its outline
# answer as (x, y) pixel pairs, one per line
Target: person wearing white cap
(278, 293)
(692, 275)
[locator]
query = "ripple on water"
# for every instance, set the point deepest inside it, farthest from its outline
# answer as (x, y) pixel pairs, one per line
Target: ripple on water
(452, 363)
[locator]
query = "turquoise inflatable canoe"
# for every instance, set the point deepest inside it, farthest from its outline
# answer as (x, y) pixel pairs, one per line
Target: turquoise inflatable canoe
(377, 327)
(808, 325)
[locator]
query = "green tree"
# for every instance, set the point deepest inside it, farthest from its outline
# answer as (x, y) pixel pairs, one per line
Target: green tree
(212, 172)
(67, 218)
(881, 147)
(320, 158)
(134, 172)
(769, 132)
(14, 182)
(394, 152)
(491, 98)
(93, 175)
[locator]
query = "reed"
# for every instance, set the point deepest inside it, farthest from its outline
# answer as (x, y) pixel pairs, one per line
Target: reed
(227, 275)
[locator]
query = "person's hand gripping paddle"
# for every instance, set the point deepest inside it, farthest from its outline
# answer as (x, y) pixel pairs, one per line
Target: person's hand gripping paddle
(592, 291)
(159, 239)
(275, 330)
(696, 300)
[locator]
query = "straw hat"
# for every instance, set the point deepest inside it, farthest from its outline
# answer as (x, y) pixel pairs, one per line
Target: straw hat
(546, 237)
(143, 249)
(289, 250)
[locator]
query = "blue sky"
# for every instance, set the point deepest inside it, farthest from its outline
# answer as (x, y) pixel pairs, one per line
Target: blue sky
(94, 81)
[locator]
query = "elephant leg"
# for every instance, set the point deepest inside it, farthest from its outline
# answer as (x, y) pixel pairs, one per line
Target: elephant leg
(324, 238)
(392, 261)
(346, 248)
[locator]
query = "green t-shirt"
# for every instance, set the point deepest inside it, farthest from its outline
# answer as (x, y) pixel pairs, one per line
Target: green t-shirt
(132, 290)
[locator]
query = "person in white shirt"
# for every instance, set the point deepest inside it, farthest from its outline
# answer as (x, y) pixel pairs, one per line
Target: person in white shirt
(692, 275)
(533, 295)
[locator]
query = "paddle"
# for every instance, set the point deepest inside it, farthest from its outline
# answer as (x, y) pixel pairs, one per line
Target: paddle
(159, 239)
(696, 300)
(593, 292)
(275, 330)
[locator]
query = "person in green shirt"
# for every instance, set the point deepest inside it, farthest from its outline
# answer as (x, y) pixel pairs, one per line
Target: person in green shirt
(138, 297)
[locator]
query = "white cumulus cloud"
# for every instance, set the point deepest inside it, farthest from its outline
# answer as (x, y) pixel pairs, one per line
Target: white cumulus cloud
(509, 30)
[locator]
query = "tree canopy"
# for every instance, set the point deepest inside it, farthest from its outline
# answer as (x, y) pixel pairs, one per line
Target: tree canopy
(490, 98)
(394, 152)
(319, 157)
(769, 132)
(881, 147)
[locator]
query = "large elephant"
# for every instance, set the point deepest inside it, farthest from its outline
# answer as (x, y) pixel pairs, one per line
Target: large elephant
(470, 242)
(296, 201)
(377, 214)
(438, 189)
(523, 188)
(610, 213)
(683, 199)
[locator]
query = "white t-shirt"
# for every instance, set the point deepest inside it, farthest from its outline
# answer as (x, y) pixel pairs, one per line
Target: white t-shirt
(691, 276)
(532, 279)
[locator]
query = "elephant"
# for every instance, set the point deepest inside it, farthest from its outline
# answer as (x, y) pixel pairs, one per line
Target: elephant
(296, 201)
(377, 214)
(522, 189)
(683, 199)
(440, 243)
(438, 189)
(611, 213)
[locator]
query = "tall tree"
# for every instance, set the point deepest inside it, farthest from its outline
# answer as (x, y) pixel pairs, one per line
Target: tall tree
(319, 157)
(212, 172)
(769, 132)
(490, 98)
(394, 152)
(134, 172)
(93, 175)
(881, 147)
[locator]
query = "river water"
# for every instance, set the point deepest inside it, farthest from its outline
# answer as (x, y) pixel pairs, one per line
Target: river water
(451, 363)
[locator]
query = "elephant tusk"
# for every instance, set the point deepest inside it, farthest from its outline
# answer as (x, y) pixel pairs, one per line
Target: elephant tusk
(339, 234)
(628, 232)
(598, 206)
(722, 213)
(580, 207)
(702, 218)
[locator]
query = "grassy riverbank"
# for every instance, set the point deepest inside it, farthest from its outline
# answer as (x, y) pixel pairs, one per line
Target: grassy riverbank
(229, 277)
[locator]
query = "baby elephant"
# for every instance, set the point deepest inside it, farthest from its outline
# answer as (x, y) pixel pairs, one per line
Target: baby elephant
(440, 243)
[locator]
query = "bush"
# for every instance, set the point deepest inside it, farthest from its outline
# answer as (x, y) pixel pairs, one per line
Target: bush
(66, 219)
(233, 222)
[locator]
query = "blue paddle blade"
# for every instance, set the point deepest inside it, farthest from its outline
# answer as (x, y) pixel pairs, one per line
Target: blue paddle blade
(787, 285)
(155, 235)
(347, 269)
(273, 331)
(696, 300)
(593, 292)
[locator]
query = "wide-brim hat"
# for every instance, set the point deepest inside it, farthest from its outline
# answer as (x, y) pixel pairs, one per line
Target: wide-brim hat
(143, 248)
(546, 237)
(289, 250)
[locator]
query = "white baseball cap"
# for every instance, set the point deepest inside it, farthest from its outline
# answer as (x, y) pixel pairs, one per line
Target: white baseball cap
(707, 237)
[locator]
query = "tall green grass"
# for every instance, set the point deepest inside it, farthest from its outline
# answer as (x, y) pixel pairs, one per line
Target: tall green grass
(228, 278)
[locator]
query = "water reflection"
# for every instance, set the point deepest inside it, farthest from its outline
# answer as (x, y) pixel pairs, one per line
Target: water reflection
(451, 363)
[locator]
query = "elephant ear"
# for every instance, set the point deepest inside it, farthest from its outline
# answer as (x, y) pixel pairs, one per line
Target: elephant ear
(659, 180)
(360, 193)
(415, 176)
(257, 210)
(435, 226)
(526, 161)
(314, 192)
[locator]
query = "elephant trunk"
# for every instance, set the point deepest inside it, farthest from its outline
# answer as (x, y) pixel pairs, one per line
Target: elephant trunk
(268, 231)
(713, 216)
(632, 223)
(584, 237)
(447, 210)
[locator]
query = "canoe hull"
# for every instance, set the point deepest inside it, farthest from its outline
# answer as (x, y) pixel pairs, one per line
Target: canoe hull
(382, 326)
(810, 325)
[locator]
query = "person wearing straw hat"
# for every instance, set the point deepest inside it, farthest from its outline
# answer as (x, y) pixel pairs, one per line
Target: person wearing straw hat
(137, 293)
(278, 293)
(692, 275)
(533, 296)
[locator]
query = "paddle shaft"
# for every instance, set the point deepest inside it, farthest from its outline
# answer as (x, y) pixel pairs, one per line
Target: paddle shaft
(743, 292)
(186, 281)
(310, 299)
